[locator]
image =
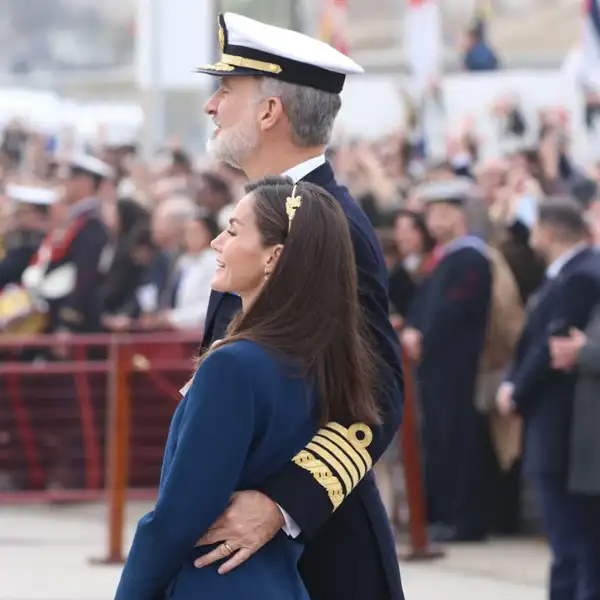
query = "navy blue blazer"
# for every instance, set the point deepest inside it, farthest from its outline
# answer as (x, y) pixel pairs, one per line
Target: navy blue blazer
(244, 415)
(356, 544)
(542, 395)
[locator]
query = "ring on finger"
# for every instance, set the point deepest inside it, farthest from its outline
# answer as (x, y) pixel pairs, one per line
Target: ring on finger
(228, 547)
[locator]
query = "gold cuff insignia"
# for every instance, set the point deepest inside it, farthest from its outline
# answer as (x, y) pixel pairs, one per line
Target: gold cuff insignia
(322, 475)
(337, 457)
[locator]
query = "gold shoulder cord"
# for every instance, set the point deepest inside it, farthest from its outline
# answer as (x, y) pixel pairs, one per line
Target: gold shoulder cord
(292, 204)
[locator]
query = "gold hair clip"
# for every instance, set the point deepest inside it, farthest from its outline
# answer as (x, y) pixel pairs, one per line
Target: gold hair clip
(292, 204)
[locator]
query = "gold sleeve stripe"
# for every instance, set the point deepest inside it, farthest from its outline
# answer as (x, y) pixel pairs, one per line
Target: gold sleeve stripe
(322, 475)
(349, 450)
(359, 444)
(333, 462)
(341, 457)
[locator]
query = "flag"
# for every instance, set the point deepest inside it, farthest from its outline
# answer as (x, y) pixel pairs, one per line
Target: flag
(423, 41)
(333, 24)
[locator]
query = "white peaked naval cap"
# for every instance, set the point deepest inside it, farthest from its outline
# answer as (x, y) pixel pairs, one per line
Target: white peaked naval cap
(27, 194)
(90, 164)
(249, 47)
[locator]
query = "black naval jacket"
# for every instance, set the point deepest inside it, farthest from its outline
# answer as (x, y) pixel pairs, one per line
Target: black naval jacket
(20, 247)
(350, 551)
(80, 308)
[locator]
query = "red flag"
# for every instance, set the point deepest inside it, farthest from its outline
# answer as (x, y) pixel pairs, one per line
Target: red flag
(332, 25)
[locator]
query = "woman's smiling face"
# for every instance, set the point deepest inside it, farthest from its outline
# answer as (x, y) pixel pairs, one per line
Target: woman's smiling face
(243, 262)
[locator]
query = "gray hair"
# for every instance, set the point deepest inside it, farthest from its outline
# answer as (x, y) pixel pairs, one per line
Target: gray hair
(178, 209)
(311, 112)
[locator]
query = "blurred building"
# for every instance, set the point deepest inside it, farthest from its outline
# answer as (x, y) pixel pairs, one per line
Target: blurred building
(72, 35)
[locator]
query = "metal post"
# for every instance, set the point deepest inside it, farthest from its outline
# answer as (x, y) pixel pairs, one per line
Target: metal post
(296, 15)
(155, 100)
(409, 446)
(117, 451)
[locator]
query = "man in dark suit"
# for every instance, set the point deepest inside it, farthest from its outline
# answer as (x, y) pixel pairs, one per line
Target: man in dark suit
(274, 112)
(544, 397)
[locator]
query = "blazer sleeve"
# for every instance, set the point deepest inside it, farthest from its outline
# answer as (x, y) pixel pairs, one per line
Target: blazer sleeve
(321, 476)
(200, 479)
(572, 308)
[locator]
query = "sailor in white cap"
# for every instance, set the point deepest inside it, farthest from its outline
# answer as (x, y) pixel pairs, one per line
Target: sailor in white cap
(66, 270)
(30, 206)
(274, 112)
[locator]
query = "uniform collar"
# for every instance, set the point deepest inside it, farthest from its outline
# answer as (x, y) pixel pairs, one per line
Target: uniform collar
(83, 206)
(557, 266)
(303, 169)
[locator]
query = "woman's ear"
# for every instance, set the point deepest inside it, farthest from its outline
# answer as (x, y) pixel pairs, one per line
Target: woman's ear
(272, 259)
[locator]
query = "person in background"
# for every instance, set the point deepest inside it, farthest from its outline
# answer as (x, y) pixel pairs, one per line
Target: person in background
(544, 396)
(579, 352)
(190, 288)
(478, 53)
(445, 337)
(66, 271)
(168, 233)
(414, 245)
(212, 192)
(29, 224)
(414, 242)
(123, 273)
(147, 272)
(592, 215)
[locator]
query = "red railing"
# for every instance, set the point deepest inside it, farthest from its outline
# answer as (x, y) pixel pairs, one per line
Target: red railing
(58, 410)
(123, 389)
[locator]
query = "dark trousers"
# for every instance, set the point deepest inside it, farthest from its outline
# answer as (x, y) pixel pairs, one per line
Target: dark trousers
(454, 444)
(354, 556)
(572, 522)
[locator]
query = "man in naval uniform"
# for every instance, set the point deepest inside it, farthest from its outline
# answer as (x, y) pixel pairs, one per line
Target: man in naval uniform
(445, 335)
(274, 111)
(66, 271)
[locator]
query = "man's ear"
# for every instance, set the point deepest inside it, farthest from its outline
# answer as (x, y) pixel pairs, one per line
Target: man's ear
(271, 114)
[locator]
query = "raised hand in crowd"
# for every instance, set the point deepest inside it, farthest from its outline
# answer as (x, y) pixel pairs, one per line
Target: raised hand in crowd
(504, 401)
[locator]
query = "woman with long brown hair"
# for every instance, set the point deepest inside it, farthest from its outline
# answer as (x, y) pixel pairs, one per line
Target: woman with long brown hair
(293, 359)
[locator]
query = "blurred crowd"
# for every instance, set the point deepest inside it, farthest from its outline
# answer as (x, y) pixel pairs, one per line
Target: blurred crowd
(148, 267)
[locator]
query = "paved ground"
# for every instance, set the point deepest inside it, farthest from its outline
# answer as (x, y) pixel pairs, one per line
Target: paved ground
(44, 554)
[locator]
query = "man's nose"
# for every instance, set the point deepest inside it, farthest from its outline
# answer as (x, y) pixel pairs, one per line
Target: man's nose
(210, 108)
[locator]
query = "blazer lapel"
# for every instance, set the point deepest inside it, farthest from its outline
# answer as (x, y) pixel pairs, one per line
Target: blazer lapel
(211, 312)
